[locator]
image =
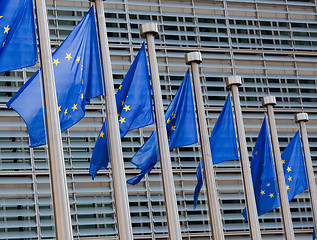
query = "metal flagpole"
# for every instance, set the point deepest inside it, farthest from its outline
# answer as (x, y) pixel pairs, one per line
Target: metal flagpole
(193, 59)
(60, 201)
(149, 30)
(302, 118)
(269, 102)
(116, 156)
(234, 82)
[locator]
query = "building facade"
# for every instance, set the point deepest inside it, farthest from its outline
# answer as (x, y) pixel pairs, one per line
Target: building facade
(272, 45)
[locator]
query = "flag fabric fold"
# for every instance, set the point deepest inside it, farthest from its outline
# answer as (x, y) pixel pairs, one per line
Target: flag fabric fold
(223, 144)
(18, 47)
(181, 130)
(294, 167)
(77, 72)
(263, 174)
(134, 107)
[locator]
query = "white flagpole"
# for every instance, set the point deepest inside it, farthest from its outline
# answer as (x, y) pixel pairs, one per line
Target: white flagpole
(234, 82)
(269, 102)
(301, 119)
(193, 59)
(149, 30)
(60, 201)
(116, 156)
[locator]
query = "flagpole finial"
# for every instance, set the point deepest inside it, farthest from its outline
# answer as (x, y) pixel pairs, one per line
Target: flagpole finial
(148, 28)
(301, 117)
(234, 80)
(268, 100)
(193, 57)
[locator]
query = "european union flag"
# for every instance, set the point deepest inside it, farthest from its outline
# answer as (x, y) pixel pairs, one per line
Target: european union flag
(294, 168)
(314, 235)
(78, 78)
(263, 174)
(223, 144)
(17, 35)
(134, 107)
(181, 130)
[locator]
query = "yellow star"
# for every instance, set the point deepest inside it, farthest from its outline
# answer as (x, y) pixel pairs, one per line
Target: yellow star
(78, 59)
(65, 112)
(59, 108)
(122, 103)
(3, 43)
(68, 56)
(82, 96)
(120, 87)
(82, 67)
(271, 195)
(262, 192)
(289, 169)
(256, 153)
(101, 134)
(168, 120)
(6, 29)
(287, 187)
(74, 107)
(283, 161)
(174, 115)
(56, 61)
(173, 128)
(1, 16)
(269, 184)
(118, 115)
(122, 120)
(127, 107)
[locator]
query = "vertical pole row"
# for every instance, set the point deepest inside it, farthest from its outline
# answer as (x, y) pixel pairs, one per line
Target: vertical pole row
(302, 118)
(149, 30)
(234, 82)
(116, 156)
(269, 102)
(60, 201)
(193, 59)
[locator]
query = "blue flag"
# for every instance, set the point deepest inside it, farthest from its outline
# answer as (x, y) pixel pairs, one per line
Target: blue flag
(263, 174)
(223, 143)
(181, 130)
(134, 107)
(78, 78)
(294, 167)
(314, 235)
(17, 35)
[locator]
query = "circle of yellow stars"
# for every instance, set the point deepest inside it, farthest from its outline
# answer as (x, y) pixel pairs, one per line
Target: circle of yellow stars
(56, 62)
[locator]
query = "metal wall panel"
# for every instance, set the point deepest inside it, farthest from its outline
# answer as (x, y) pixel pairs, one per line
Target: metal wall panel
(271, 44)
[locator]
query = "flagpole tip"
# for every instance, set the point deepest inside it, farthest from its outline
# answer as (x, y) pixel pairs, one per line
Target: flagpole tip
(301, 117)
(148, 28)
(193, 57)
(234, 80)
(268, 100)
